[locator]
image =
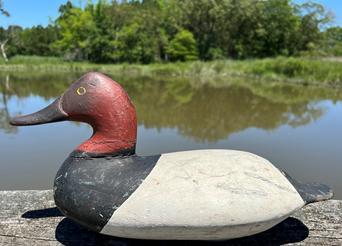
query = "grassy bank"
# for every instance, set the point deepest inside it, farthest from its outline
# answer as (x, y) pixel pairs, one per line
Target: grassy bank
(303, 70)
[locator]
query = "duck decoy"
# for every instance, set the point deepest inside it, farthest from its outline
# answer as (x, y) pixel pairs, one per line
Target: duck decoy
(195, 195)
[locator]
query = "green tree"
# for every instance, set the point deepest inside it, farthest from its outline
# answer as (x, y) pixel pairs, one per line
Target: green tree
(183, 47)
(140, 36)
(262, 28)
(76, 27)
(277, 30)
(38, 40)
(101, 46)
(314, 18)
(15, 43)
(333, 41)
(134, 46)
(207, 20)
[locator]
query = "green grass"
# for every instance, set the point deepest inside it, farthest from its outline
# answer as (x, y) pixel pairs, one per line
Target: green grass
(302, 70)
(33, 60)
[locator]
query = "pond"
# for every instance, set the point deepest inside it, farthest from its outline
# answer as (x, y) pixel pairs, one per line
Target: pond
(298, 128)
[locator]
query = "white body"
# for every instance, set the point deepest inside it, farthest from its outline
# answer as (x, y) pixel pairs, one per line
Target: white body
(206, 195)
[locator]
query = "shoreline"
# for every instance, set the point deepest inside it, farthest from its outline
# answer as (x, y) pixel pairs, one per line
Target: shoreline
(290, 69)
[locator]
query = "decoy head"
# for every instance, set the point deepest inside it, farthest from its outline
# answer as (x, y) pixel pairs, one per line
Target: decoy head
(99, 101)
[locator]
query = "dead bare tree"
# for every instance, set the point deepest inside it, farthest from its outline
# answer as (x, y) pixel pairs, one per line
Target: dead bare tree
(4, 42)
(2, 10)
(3, 51)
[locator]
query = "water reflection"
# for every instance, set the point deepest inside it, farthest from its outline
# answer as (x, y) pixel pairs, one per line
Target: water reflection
(4, 114)
(203, 111)
(209, 114)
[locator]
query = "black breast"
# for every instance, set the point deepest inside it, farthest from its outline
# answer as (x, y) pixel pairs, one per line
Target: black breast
(89, 190)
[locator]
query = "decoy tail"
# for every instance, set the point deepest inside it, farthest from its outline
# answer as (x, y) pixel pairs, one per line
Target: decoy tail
(311, 192)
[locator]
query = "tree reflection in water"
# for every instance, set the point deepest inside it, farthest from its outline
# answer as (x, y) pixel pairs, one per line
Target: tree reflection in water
(209, 113)
(4, 114)
(202, 110)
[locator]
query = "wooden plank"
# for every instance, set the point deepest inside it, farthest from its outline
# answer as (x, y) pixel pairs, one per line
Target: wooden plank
(31, 218)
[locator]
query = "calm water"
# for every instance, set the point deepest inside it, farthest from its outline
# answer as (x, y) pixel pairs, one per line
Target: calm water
(297, 128)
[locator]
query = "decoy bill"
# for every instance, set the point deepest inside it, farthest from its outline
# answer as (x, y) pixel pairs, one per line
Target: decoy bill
(190, 195)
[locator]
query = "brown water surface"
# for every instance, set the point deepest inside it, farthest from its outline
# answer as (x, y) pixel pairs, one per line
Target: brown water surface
(296, 127)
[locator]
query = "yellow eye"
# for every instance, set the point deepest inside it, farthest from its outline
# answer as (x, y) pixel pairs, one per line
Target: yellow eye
(81, 90)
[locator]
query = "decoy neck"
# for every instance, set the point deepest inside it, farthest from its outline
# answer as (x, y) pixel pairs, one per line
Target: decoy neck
(101, 102)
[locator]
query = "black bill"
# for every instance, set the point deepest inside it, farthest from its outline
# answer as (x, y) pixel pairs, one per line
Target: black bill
(51, 113)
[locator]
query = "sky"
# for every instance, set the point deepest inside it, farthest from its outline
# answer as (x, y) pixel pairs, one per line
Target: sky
(28, 13)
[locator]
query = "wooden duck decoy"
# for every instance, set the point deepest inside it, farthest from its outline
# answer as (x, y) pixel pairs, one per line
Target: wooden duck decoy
(199, 195)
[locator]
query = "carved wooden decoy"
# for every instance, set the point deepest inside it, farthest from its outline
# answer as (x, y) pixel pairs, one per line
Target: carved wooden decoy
(199, 195)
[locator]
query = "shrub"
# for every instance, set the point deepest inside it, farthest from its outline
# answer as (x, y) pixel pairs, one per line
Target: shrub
(182, 47)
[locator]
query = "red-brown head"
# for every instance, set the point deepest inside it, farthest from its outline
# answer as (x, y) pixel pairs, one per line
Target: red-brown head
(99, 101)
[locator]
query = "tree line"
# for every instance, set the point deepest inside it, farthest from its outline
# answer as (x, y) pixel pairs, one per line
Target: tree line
(146, 31)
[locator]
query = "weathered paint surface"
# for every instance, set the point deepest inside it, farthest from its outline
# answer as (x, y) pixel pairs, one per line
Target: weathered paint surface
(206, 195)
(101, 102)
(89, 190)
(51, 113)
(311, 192)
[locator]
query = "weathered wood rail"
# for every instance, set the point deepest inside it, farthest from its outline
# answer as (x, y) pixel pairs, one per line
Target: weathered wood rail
(31, 218)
